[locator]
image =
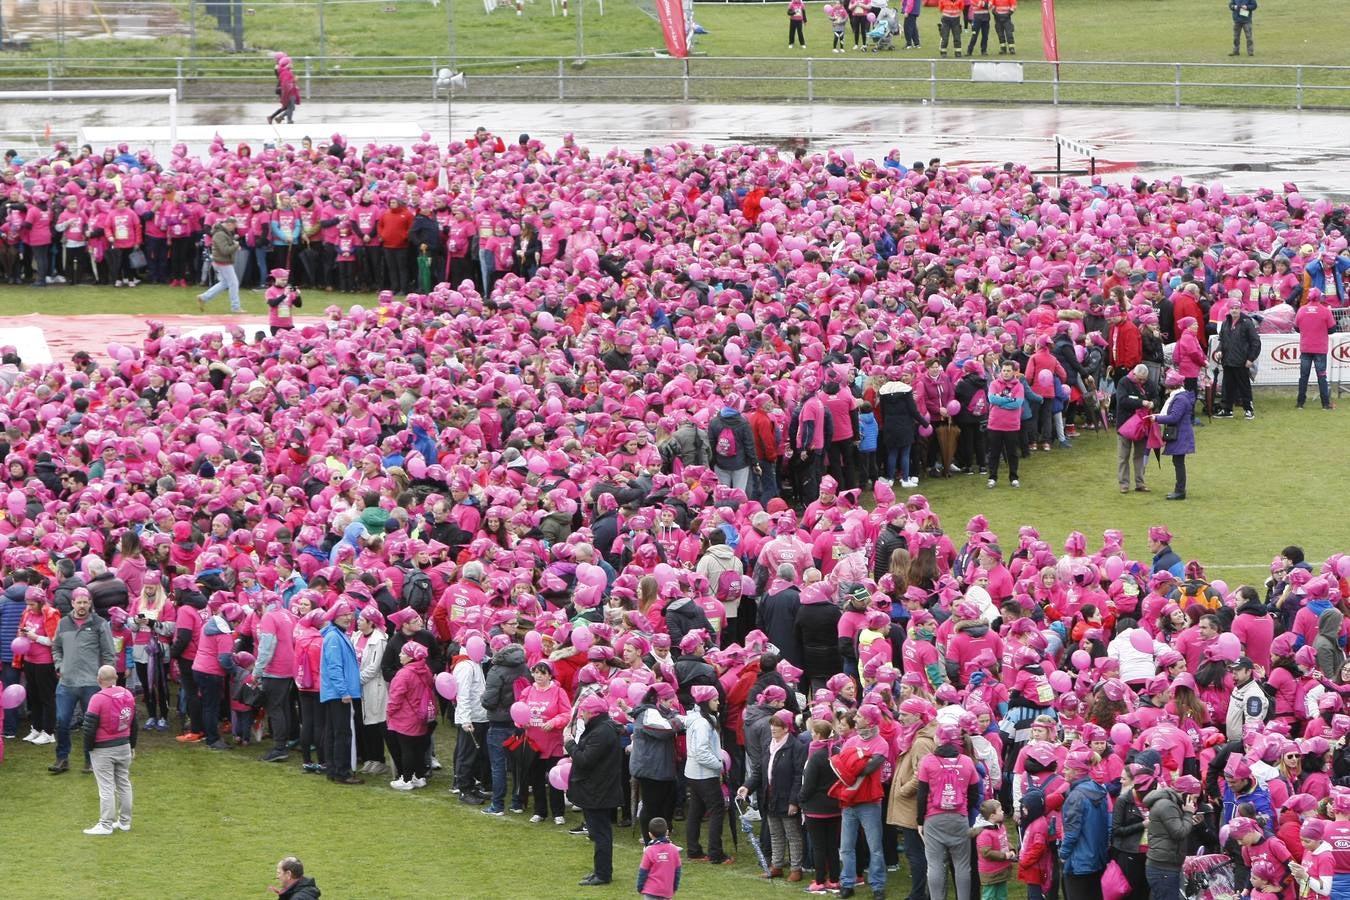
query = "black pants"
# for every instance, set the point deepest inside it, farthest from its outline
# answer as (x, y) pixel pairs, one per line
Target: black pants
(1083, 887)
(311, 729)
(824, 836)
(548, 800)
(1003, 27)
(859, 24)
(918, 863)
(78, 263)
(1179, 466)
(1003, 444)
(411, 759)
(41, 678)
(705, 795)
(286, 111)
(337, 738)
(601, 831)
(370, 742)
(346, 276)
(1237, 387)
(843, 463)
(795, 32)
(911, 31)
(396, 269)
(979, 27)
(181, 255)
(188, 682)
(209, 690)
(658, 802)
(277, 696)
(156, 689)
(470, 757)
(950, 26)
(970, 445)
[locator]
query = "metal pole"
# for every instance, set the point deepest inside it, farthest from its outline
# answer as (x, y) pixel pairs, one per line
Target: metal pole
(562, 67)
(932, 81)
(810, 80)
(1054, 87)
(686, 79)
(1298, 87)
(309, 70)
(192, 29)
(173, 118)
(178, 64)
(581, 30)
(1176, 81)
(450, 31)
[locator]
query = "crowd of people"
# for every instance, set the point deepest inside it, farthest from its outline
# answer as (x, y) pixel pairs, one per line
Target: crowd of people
(624, 518)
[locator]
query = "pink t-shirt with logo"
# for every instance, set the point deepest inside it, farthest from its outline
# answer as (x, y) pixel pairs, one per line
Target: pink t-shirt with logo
(115, 706)
(281, 624)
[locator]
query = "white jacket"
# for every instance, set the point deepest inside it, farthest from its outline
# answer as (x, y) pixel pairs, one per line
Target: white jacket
(374, 689)
(703, 746)
(469, 701)
(1134, 666)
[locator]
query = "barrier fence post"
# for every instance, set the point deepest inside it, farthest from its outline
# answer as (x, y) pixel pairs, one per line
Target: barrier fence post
(686, 79)
(810, 80)
(1298, 87)
(51, 75)
(560, 79)
(932, 81)
(308, 72)
(179, 66)
(1054, 87)
(1176, 83)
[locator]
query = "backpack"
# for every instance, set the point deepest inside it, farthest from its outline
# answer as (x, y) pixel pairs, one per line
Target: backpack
(1269, 690)
(1196, 590)
(726, 441)
(1039, 791)
(416, 592)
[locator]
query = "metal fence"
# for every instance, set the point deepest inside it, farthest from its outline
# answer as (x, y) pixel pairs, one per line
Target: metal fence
(869, 78)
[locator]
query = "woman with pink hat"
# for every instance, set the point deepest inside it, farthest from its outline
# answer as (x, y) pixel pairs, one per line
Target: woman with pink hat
(595, 783)
(410, 710)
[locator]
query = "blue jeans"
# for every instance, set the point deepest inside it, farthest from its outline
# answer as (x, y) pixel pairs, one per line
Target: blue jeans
(228, 280)
(497, 761)
(487, 265)
(868, 815)
(10, 675)
(766, 482)
(66, 700)
(900, 455)
(1306, 362)
(1163, 884)
(260, 260)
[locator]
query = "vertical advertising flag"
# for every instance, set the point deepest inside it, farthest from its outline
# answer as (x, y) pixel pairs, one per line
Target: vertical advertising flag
(1049, 36)
(671, 15)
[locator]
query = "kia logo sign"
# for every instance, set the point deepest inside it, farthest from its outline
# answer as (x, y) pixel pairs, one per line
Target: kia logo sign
(1284, 354)
(1341, 352)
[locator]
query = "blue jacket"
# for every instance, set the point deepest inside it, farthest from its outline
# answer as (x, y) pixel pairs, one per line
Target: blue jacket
(1242, 6)
(1260, 798)
(11, 610)
(1317, 277)
(867, 427)
(1167, 559)
(339, 669)
(1086, 845)
(1179, 412)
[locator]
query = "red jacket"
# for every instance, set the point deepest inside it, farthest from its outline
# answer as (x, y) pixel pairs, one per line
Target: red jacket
(1125, 348)
(394, 226)
(766, 440)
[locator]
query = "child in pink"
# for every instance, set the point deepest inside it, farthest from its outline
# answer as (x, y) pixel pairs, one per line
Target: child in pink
(281, 299)
(658, 875)
(995, 854)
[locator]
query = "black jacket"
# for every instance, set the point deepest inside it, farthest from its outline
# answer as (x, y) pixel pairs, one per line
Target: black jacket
(390, 664)
(61, 596)
(817, 627)
(107, 591)
(784, 788)
(692, 670)
(899, 414)
(499, 693)
(1130, 395)
(604, 531)
(597, 764)
(817, 779)
(778, 621)
(890, 540)
(1238, 344)
(302, 889)
(682, 616)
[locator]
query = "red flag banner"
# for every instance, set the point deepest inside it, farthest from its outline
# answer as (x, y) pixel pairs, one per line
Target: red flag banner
(671, 15)
(1049, 36)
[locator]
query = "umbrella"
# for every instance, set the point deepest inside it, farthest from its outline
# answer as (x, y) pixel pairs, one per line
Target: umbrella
(748, 816)
(947, 437)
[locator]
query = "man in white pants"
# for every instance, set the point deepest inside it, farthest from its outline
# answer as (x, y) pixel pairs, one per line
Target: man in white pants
(110, 741)
(224, 245)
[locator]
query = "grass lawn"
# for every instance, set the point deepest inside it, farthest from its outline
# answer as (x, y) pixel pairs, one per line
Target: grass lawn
(1159, 33)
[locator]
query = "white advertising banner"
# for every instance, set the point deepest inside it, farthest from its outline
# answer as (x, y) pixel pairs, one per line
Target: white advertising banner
(1279, 360)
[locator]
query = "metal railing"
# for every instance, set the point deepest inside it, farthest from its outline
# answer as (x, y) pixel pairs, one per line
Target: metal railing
(861, 78)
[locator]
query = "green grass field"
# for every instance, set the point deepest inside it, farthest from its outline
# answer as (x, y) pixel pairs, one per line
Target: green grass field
(1148, 35)
(210, 825)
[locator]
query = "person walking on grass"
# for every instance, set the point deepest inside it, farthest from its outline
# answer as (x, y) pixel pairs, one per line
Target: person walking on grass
(1178, 432)
(110, 744)
(224, 246)
(796, 12)
(1242, 24)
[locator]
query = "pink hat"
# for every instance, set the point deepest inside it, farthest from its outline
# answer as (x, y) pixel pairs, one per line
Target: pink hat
(692, 641)
(1241, 826)
(702, 693)
(948, 734)
(1237, 768)
(1340, 802)
(413, 650)
(1160, 534)
(402, 617)
(594, 704)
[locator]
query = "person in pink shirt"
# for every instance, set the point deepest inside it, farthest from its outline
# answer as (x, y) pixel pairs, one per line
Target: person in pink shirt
(550, 709)
(110, 743)
(658, 875)
(1313, 322)
(37, 234)
(217, 640)
(411, 709)
(274, 670)
(123, 229)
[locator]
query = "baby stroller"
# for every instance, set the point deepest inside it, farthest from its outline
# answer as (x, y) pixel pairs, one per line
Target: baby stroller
(882, 35)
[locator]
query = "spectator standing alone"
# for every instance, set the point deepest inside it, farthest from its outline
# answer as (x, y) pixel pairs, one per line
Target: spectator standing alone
(949, 26)
(1242, 24)
(595, 784)
(796, 23)
(1313, 322)
(110, 744)
(393, 228)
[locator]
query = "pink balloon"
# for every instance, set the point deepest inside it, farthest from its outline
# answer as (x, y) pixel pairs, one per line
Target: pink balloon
(534, 643)
(13, 696)
(1060, 681)
(181, 393)
(1045, 378)
(591, 575)
(726, 761)
(1121, 734)
(1140, 640)
(520, 713)
(953, 407)
(1220, 587)
(150, 441)
(1229, 647)
(560, 775)
(1081, 659)
(1113, 566)
(582, 638)
(619, 687)
(209, 445)
(475, 648)
(20, 645)
(637, 692)
(925, 430)
(446, 685)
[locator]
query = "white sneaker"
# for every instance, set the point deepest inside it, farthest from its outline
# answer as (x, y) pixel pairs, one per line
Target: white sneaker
(99, 829)
(559, 820)
(993, 483)
(122, 826)
(32, 735)
(419, 782)
(1015, 483)
(535, 820)
(435, 764)
(399, 784)
(44, 738)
